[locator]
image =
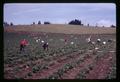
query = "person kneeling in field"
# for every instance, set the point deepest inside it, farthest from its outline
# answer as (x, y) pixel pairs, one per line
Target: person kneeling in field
(23, 44)
(45, 46)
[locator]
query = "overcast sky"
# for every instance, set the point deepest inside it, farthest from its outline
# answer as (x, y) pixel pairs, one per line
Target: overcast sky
(61, 13)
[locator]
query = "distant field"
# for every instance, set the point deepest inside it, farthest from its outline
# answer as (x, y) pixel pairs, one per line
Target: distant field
(66, 29)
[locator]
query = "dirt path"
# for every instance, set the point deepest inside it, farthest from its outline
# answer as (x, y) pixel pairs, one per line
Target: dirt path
(24, 69)
(52, 69)
(73, 72)
(101, 69)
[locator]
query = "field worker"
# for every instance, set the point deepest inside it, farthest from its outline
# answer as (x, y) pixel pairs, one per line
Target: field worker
(98, 41)
(89, 39)
(45, 46)
(65, 40)
(110, 40)
(23, 44)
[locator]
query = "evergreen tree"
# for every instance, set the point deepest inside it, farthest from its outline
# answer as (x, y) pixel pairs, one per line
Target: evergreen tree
(46, 22)
(75, 22)
(39, 22)
(11, 24)
(112, 26)
(33, 22)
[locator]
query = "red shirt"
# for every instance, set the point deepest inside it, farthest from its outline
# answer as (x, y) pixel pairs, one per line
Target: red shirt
(24, 42)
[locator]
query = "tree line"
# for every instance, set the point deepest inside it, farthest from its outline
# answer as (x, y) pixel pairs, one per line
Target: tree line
(39, 22)
(72, 22)
(7, 24)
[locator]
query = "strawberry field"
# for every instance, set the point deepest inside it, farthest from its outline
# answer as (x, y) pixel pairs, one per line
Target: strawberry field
(73, 59)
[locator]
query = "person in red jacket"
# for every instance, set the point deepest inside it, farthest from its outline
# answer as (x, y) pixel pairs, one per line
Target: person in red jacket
(23, 44)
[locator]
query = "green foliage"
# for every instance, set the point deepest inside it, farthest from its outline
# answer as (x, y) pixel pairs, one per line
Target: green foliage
(57, 49)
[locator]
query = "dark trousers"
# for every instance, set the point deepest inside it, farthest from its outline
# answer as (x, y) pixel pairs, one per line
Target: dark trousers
(45, 47)
(22, 47)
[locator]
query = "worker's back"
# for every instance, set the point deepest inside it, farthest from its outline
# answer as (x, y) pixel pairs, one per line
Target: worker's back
(23, 42)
